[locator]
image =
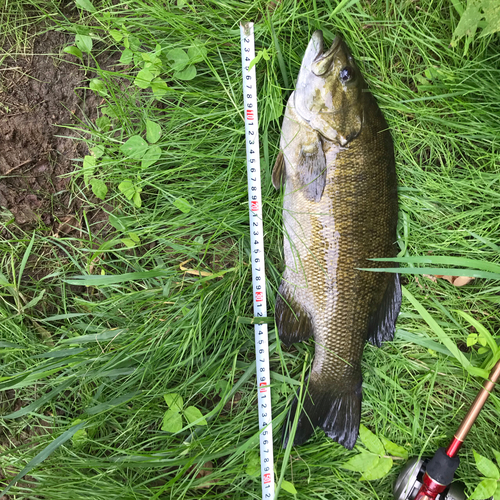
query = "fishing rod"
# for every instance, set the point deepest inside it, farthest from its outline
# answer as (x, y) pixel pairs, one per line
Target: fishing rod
(430, 479)
(257, 257)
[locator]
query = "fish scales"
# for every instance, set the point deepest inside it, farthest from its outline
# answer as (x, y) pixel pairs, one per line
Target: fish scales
(340, 209)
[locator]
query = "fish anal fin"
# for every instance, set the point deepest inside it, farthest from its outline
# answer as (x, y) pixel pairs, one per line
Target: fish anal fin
(311, 170)
(337, 414)
(383, 321)
(279, 171)
(293, 322)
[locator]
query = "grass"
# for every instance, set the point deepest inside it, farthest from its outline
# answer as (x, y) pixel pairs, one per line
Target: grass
(119, 326)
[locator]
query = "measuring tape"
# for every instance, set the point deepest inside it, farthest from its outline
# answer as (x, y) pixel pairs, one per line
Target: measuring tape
(257, 250)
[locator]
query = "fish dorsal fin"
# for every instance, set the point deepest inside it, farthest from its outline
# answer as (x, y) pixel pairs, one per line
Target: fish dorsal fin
(311, 170)
(279, 171)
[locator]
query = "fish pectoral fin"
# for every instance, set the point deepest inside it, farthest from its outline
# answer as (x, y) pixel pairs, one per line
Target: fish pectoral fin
(293, 322)
(279, 171)
(337, 414)
(312, 170)
(383, 321)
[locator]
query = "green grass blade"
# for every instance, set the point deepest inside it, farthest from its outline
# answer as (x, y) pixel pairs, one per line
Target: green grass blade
(486, 241)
(40, 401)
(59, 317)
(45, 453)
(98, 337)
(445, 340)
(281, 61)
(452, 261)
(114, 279)
(102, 407)
(26, 255)
(423, 341)
(343, 5)
(471, 273)
(293, 429)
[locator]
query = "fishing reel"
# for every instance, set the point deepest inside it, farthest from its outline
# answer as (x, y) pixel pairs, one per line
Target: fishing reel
(432, 479)
(411, 479)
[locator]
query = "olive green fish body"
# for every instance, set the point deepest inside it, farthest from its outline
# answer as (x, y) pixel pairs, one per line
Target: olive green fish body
(340, 209)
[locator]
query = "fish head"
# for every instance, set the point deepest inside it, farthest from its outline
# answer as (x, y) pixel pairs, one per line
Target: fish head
(329, 93)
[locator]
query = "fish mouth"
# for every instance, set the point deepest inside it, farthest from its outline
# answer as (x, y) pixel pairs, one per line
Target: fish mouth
(322, 61)
(335, 45)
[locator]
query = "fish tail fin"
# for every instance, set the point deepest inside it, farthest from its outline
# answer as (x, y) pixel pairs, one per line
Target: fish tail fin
(338, 414)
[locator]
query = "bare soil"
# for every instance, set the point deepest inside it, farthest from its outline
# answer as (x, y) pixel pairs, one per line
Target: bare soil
(39, 95)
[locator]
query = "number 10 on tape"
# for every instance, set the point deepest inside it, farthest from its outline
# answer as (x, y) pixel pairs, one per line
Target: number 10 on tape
(257, 250)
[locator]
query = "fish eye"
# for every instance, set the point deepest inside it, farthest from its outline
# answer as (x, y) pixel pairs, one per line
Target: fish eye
(346, 74)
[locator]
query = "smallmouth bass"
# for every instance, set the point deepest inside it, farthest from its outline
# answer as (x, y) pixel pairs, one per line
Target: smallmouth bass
(340, 208)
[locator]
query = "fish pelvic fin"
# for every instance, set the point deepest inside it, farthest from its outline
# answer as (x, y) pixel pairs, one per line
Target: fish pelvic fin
(337, 414)
(312, 170)
(279, 171)
(293, 323)
(383, 321)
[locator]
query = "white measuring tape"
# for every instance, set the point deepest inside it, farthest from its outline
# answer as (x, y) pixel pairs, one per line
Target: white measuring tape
(257, 250)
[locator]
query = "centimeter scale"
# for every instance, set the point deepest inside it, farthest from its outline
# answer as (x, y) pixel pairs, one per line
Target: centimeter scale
(257, 251)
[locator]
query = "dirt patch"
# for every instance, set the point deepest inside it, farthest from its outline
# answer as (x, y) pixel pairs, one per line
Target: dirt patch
(38, 94)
